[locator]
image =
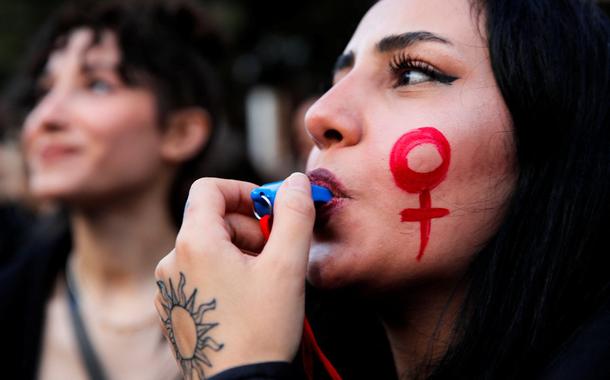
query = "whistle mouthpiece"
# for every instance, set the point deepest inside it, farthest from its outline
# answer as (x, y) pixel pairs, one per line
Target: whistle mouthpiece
(263, 197)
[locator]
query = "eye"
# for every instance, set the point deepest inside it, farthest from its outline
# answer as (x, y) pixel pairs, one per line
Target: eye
(410, 77)
(100, 86)
(408, 72)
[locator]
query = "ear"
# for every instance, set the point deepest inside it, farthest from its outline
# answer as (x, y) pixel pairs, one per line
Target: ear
(186, 133)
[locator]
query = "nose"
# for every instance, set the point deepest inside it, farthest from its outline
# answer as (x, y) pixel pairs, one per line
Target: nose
(334, 120)
(49, 115)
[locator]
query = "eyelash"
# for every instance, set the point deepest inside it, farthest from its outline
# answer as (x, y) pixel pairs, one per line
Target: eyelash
(402, 62)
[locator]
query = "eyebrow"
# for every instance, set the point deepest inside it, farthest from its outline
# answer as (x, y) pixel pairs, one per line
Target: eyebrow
(391, 43)
(401, 41)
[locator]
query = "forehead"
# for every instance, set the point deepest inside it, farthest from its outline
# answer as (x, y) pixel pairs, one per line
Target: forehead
(82, 49)
(454, 20)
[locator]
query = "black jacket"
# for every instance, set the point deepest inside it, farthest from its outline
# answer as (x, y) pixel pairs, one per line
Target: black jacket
(27, 278)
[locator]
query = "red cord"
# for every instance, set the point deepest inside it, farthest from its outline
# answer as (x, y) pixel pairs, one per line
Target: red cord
(265, 223)
(309, 344)
(310, 339)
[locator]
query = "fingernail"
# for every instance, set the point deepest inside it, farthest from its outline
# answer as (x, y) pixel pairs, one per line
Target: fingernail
(297, 181)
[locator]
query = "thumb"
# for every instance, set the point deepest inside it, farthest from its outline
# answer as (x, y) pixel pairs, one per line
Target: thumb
(293, 219)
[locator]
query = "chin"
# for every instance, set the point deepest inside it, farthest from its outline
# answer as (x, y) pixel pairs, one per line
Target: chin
(324, 270)
(334, 281)
(46, 192)
(321, 279)
(50, 189)
(320, 271)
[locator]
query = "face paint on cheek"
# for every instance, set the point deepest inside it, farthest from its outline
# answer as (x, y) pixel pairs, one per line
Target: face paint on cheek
(416, 182)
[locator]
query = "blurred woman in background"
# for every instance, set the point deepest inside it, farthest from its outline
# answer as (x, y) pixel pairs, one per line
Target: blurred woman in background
(122, 106)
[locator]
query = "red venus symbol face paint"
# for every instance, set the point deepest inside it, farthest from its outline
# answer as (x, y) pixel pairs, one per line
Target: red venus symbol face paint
(421, 183)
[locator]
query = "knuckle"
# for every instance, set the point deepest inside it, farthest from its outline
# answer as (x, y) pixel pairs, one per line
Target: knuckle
(184, 245)
(192, 246)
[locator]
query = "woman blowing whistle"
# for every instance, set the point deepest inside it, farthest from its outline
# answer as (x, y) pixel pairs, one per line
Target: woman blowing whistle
(466, 147)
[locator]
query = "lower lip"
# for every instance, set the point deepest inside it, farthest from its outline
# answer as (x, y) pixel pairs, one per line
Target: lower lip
(325, 211)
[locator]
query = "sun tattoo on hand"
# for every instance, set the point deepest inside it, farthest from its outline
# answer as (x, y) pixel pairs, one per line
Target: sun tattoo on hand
(186, 330)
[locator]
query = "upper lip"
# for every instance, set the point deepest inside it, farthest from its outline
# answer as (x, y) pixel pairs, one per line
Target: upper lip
(325, 178)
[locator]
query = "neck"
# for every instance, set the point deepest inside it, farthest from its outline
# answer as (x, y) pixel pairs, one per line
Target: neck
(119, 244)
(419, 328)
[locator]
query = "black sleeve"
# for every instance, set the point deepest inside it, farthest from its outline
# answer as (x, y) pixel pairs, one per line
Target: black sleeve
(259, 371)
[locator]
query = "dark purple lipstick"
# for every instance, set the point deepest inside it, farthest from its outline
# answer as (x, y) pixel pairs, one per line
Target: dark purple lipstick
(325, 178)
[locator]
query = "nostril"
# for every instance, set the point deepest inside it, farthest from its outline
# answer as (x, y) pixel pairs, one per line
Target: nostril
(333, 135)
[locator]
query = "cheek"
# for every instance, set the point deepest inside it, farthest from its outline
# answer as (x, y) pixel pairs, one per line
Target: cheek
(484, 137)
(479, 183)
(449, 187)
(125, 130)
(484, 167)
(487, 164)
(124, 146)
(133, 151)
(420, 159)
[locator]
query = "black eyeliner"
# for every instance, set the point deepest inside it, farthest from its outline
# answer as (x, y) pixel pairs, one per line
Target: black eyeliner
(401, 63)
(443, 78)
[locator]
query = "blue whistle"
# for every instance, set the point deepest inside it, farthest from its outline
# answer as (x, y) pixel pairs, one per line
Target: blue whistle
(263, 197)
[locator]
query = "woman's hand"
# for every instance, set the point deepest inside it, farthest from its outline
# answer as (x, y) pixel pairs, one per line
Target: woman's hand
(221, 303)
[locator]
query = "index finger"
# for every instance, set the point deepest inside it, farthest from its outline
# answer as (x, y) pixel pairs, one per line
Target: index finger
(204, 226)
(216, 196)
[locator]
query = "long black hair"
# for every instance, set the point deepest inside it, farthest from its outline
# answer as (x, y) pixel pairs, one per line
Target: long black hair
(546, 271)
(169, 46)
